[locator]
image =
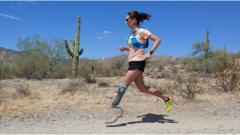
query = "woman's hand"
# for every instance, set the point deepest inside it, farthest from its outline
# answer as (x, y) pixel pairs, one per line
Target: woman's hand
(124, 49)
(147, 56)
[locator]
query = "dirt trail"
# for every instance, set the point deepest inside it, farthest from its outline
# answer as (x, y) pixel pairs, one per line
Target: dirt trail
(87, 112)
(148, 122)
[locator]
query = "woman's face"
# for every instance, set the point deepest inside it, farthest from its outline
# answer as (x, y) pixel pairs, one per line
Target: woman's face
(132, 23)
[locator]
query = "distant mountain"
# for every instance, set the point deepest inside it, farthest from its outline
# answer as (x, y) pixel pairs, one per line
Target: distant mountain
(7, 50)
(7, 55)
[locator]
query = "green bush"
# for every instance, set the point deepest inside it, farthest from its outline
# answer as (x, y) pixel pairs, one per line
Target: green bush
(40, 58)
(216, 62)
(7, 70)
(4, 71)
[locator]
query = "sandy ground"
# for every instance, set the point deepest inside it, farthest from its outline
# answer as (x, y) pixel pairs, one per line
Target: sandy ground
(47, 110)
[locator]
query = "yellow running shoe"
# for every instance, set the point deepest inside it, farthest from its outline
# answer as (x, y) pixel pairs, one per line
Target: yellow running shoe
(168, 104)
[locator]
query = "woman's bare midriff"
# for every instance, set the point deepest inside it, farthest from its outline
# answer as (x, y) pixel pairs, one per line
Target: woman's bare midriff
(136, 54)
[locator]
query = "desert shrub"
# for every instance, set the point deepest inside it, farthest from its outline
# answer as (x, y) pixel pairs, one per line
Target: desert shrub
(102, 69)
(31, 67)
(32, 62)
(166, 74)
(89, 78)
(23, 90)
(188, 86)
(229, 79)
(118, 63)
(61, 69)
(174, 70)
(109, 67)
(59, 62)
(162, 61)
(5, 71)
(102, 83)
(118, 66)
(40, 58)
(215, 62)
(71, 87)
(87, 72)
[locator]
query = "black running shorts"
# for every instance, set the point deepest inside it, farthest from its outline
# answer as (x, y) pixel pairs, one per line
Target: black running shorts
(140, 65)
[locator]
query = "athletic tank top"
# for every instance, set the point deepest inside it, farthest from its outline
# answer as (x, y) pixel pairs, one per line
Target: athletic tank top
(138, 42)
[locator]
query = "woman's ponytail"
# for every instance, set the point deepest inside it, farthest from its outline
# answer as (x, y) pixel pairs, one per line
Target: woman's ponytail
(144, 16)
(139, 16)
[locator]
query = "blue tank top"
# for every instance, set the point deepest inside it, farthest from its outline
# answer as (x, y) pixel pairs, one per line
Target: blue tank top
(136, 43)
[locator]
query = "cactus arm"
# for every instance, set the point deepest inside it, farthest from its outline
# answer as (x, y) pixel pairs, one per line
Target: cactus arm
(70, 53)
(81, 51)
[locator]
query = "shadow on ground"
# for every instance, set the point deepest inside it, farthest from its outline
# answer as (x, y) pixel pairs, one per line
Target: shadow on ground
(147, 118)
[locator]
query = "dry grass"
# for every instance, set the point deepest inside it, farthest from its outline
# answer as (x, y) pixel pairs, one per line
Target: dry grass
(72, 86)
(229, 79)
(18, 99)
(102, 83)
(23, 90)
(174, 70)
(46, 96)
(188, 86)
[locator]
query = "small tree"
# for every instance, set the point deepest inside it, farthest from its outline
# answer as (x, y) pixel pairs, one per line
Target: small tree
(39, 58)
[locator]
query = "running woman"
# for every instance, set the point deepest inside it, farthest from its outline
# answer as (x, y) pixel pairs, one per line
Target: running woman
(138, 42)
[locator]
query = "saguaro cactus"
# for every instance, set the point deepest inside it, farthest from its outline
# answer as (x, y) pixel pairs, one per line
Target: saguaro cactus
(206, 45)
(202, 47)
(74, 52)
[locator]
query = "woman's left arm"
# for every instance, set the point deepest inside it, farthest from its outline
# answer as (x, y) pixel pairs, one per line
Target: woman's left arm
(156, 43)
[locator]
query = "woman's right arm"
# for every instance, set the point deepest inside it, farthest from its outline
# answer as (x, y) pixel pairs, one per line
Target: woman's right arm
(124, 49)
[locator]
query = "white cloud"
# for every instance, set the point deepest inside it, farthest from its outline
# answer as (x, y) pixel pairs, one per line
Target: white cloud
(106, 32)
(10, 17)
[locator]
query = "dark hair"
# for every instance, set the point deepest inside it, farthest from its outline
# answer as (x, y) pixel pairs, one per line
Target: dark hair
(139, 16)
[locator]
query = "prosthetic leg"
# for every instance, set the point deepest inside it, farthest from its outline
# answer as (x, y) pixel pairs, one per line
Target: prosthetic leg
(121, 90)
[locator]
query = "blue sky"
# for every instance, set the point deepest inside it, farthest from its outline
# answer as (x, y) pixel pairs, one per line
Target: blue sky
(103, 30)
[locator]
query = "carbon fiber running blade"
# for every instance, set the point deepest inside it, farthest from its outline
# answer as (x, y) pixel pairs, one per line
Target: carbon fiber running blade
(120, 116)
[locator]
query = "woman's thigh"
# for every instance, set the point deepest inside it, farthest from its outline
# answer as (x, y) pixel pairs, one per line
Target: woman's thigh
(130, 76)
(140, 83)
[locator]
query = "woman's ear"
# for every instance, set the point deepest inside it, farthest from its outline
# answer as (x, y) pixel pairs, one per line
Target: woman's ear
(135, 21)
